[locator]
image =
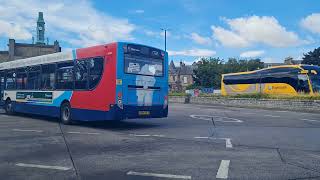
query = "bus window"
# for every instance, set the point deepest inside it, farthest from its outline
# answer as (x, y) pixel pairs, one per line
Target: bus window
(315, 82)
(21, 78)
(95, 71)
(33, 77)
(48, 76)
(303, 84)
(65, 76)
(11, 80)
(81, 74)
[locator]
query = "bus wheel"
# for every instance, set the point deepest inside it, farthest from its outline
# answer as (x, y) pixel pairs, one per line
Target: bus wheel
(65, 113)
(8, 107)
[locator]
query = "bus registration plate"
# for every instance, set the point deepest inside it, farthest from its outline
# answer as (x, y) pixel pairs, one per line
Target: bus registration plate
(144, 113)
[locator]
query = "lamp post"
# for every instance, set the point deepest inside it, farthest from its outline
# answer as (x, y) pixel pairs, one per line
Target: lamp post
(165, 37)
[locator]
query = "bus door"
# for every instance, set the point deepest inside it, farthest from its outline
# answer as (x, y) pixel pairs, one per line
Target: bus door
(1, 87)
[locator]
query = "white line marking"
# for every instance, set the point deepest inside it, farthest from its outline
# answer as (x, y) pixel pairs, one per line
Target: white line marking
(228, 140)
(223, 169)
(158, 175)
(228, 143)
(312, 120)
(147, 135)
(43, 166)
(27, 130)
(75, 132)
(5, 115)
(267, 115)
(201, 137)
(216, 118)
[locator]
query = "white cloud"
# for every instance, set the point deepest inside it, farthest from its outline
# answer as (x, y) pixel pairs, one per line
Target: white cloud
(12, 30)
(245, 31)
(251, 54)
(77, 23)
(228, 38)
(193, 52)
(312, 23)
(200, 39)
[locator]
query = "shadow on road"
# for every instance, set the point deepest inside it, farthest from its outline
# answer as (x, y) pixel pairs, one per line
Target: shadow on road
(107, 124)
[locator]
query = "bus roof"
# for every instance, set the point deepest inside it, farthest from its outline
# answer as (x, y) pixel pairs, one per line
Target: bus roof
(49, 58)
(274, 67)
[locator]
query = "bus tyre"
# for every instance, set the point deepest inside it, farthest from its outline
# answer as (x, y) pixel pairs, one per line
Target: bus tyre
(8, 107)
(65, 113)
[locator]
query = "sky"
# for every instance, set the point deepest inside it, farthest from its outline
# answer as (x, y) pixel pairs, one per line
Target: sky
(270, 30)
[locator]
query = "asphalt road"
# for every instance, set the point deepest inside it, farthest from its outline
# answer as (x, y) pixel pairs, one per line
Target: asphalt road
(194, 142)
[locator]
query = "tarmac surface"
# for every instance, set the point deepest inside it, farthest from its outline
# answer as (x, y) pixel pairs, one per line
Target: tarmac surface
(194, 142)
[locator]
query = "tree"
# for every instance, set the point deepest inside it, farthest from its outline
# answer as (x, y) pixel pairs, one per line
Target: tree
(312, 57)
(209, 70)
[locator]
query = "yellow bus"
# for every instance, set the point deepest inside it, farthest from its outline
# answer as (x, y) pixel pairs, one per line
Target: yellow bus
(283, 80)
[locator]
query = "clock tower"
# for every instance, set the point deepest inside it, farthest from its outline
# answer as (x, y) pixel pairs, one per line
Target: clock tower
(40, 29)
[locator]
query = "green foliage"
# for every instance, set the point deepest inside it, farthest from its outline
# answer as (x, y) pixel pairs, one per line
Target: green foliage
(312, 57)
(209, 71)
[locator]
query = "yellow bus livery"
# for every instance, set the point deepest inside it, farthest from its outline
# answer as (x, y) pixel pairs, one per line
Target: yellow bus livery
(283, 80)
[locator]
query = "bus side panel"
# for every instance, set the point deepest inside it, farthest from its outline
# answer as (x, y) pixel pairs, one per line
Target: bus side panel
(278, 88)
(95, 104)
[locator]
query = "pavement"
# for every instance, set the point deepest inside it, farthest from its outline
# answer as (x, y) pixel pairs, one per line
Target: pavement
(194, 142)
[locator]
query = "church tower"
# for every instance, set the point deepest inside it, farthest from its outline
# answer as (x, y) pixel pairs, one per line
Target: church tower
(40, 29)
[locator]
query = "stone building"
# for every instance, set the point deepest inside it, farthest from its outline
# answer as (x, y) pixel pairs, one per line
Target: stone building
(180, 76)
(25, 50)
(287, 61)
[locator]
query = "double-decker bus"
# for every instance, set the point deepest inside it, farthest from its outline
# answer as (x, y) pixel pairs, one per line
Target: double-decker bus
(286, 80)
(106, 82)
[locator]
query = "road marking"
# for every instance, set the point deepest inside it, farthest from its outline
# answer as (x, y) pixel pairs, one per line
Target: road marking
(267, 115)
(312, 120)
(171, 176)
(228, 140)
(223, 169)
(228, 143)
(202, 137)
(147, 135)
(27, 130)
(216, 118)
(43, 166)
(75, 132)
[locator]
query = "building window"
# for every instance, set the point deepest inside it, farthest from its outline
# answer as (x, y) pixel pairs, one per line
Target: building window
(185, 80)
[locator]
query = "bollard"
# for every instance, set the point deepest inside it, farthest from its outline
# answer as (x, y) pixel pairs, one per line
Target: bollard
(187, 99)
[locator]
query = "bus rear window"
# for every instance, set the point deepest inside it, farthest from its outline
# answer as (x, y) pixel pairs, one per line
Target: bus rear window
(143, 66)
(143, 60)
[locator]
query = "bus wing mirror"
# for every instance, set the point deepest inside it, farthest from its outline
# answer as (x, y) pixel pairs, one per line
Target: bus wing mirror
(304, 72)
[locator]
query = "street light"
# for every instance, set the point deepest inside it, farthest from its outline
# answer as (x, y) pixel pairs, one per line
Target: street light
(165, 37)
